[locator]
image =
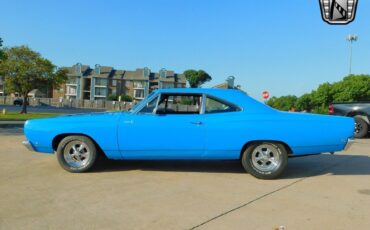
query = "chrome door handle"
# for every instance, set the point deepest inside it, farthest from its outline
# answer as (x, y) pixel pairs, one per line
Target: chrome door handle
(196, 122)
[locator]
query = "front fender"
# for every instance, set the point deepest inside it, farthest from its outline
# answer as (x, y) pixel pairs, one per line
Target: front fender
(100, 128)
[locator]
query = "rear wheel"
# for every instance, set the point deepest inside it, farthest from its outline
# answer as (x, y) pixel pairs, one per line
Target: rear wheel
(265, 160)
(76, 153)
(361, 127)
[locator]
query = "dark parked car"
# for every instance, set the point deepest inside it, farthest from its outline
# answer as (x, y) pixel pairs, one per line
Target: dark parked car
(360, 111)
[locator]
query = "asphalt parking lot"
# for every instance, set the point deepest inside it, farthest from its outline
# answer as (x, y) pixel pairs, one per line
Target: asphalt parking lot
(316, 192)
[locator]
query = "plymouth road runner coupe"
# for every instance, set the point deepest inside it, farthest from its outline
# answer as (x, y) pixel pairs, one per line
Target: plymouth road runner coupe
(199, 124)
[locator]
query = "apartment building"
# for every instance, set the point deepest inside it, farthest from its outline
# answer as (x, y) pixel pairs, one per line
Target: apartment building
(98, 83)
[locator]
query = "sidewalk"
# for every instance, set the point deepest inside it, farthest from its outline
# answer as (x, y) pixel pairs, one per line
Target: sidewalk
(12, 124)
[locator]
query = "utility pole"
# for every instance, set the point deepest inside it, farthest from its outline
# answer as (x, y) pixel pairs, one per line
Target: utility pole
(351, 38)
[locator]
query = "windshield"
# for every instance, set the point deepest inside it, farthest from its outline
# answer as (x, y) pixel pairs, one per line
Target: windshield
(141, 102)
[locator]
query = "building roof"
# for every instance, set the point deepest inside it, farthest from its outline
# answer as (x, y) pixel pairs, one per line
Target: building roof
(138, 74)
(85, 70)
(106, 69)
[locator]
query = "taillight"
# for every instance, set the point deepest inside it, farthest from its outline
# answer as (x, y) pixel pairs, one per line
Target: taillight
(331, 109)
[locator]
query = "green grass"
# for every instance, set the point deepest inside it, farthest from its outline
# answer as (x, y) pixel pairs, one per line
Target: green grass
(15, 116)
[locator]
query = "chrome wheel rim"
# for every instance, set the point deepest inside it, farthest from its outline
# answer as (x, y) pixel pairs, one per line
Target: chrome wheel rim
(77, 154)
(358, 127)
(266, 158)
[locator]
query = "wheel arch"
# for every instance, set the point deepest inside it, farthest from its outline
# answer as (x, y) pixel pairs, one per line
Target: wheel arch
(58, 138)
(249, 143)
(361, 114)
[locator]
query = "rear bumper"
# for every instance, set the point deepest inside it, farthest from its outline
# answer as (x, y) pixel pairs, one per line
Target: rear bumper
(28, 145)
(350, 142)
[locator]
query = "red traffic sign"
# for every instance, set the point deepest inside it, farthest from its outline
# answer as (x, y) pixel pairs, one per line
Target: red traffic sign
(265, 94)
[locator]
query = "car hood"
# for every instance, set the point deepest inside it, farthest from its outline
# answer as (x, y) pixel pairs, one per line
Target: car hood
(85, 118)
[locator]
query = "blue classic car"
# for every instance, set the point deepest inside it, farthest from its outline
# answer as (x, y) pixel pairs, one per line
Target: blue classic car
(199, 124)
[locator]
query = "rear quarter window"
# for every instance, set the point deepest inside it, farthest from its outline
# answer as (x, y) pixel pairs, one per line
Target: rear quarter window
(214, 105)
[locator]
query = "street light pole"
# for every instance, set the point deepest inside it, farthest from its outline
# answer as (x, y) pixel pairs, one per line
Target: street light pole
(351, 38)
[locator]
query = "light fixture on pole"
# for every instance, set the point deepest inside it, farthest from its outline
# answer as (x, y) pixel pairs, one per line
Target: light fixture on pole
(351, 38)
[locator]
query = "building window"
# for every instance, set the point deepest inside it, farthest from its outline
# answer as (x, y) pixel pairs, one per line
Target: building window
(139, 93)
(168, 85)
(113, 91)
(114, 82)
(71, 90)
(139, 84)
(127, 83)
(100, 92)
(101, 81)
(72, 80)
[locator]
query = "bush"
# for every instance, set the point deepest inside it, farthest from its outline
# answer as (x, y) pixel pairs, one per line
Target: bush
(113, 98)
(126, 98)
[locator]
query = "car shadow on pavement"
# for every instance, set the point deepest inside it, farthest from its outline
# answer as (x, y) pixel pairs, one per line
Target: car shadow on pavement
(316, 165)
(299, 167)
(106, 165)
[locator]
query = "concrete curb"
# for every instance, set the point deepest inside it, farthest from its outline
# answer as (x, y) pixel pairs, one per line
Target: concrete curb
(12, 124)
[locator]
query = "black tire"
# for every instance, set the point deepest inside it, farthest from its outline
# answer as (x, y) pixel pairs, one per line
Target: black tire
(76, 154)
(260, 168)
(361, 127)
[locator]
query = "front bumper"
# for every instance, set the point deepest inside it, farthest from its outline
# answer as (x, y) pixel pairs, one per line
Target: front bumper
(350, 142)
(28, 145)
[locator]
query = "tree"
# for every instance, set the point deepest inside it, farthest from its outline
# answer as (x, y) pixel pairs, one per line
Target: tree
(196, 78)
(25, 70)
(2, 53)
(352, 88)
(283, 103)
(322, 96)
(304, 102)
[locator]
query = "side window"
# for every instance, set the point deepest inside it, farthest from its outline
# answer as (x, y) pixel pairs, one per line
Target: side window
(149, 107)
(215, 106)
(179, 104)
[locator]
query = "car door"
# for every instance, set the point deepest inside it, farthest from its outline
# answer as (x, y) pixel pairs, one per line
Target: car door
(222, 125)
(169, 127)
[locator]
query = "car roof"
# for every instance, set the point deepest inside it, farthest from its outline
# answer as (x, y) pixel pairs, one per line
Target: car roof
(197, 90)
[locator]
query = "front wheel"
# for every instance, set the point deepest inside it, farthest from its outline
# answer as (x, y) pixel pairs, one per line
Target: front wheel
(265, 160)
(76, 153)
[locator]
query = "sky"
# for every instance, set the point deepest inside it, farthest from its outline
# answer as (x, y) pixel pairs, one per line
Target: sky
(283, 46)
